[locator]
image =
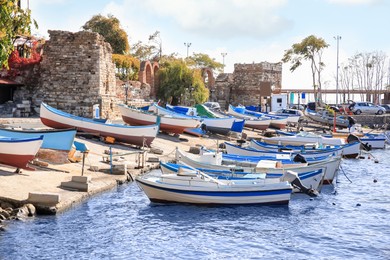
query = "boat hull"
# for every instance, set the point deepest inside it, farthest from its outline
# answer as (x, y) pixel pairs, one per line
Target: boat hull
(309, 179)
(330, 172)
(136, 135)
(19, 152)
(52, 138)
(167, 124)
(216, 195)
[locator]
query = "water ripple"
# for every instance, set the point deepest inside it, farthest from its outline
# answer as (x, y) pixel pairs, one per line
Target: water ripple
(349, 220)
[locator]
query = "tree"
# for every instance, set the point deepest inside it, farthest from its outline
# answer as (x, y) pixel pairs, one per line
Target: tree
(369, 72)
(109, 27)
(179, 83)
(201, 60)
(310, 49)
(157, 41)
(14, 21)
(143, 51)
(127, 66)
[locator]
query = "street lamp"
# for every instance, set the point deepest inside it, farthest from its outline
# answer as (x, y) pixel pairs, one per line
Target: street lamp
(187, 44)
(126, 87)
(191, 90)
(223, 60)
(337, 38)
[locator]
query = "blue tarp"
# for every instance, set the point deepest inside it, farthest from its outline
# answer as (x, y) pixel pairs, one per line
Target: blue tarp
(254, 108)
(238, 126)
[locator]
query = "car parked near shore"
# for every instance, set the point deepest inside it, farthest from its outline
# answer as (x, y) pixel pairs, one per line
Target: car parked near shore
(366, 108)
(387, 107)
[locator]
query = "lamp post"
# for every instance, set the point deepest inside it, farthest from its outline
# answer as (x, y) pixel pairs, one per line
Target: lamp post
(187, 44)
(337, 38)
(223, 60)
(126, 87)
(191, 90)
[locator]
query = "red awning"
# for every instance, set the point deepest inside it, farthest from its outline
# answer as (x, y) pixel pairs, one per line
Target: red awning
(9, 82)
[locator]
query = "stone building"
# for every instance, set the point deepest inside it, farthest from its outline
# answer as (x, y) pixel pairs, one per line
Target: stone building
(249, 84)
(77, 72)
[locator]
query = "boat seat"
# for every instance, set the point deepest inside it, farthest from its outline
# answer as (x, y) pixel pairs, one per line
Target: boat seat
(186, 172)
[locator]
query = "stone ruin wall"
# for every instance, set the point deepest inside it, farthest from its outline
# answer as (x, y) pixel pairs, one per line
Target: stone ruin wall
(243, 85)
(221, 92)
(77, 72)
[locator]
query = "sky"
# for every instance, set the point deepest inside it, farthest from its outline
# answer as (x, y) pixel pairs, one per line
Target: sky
(247, 30)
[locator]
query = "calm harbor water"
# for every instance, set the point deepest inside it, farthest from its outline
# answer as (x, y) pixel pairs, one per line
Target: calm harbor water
(350, 220)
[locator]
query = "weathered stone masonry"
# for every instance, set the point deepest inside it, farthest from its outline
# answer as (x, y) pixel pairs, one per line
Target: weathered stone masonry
(77, 72)
(248, 83)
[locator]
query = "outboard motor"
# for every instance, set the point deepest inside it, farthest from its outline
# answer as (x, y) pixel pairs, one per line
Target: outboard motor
(292, 177)
(299, 158)
(204, 128)
(353, 139)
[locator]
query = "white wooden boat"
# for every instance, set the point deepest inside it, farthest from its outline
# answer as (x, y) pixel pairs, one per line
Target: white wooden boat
(168, 123)
(18, 152)
(136, 135)
(55, 139)
(215, 125)
(374, 141)
(213, 161)
(200, 188)
(307, 180)
(303, 138)
(369, 140)
(250, 121)
(324, 117)
(347, 150)
(312, 156)
(275, 121)
(293, 115)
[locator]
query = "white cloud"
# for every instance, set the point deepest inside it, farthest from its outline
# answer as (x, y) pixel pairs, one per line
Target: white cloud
(223, 19)
(355, 2)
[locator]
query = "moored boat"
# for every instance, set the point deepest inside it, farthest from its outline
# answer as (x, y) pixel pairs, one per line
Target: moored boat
(331, 165)
(136, 135)
(309, 156)
(200, 188)
(350, 150)
(309, 180)
(302, 138)
(18, 152)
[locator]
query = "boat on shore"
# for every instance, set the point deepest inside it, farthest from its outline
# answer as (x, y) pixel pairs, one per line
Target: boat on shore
(168, 123)
(55, 139)
(136, 135)
(18, 152)
(326, 118)
(277, 122)
(221, 125)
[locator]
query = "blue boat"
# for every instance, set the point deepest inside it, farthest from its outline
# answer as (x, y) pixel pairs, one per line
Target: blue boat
(248, 151)
(215, 125)
(56, 139)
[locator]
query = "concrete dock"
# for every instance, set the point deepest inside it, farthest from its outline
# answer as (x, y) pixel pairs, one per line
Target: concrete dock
(46, 187)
